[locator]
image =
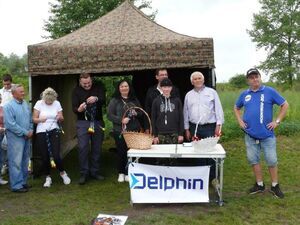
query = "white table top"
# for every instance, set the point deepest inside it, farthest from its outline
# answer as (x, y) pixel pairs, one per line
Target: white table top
(176, 151)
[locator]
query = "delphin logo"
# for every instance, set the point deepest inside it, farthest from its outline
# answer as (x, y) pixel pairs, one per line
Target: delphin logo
(141, 181)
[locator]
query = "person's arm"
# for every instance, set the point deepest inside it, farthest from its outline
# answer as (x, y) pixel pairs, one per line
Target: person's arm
(112, 112)
(238, 115)
(153, 120)
(11, 124)
(186, 119)
(219, 115)
(77, 106)
(279, 118)
(180, 127)
(36, 117)
(60, 116)
(218, 110)
(148, 102)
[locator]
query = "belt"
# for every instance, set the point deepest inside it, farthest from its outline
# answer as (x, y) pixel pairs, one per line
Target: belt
(203, 125)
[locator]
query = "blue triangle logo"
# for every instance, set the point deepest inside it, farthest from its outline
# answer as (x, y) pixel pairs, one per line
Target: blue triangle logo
(133, 180)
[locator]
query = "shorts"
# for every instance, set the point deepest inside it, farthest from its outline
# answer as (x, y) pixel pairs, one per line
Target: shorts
(254, 148)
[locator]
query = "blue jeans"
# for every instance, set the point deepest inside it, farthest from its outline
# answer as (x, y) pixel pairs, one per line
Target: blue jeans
(18, 158)
(254, 148)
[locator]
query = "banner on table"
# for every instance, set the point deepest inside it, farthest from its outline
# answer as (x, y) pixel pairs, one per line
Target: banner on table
(163, 184)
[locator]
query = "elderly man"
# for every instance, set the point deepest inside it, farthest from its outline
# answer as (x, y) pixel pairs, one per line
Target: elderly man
(202, 106)
(87, 102)
(258, 125)
(18, 124)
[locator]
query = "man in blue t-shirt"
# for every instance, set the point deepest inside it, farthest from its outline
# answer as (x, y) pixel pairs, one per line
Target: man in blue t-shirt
(258, 125)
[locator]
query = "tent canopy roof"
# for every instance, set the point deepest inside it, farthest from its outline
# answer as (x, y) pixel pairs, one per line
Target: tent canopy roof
(122, 40)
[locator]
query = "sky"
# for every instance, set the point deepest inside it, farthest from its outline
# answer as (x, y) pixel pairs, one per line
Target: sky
(226, 21)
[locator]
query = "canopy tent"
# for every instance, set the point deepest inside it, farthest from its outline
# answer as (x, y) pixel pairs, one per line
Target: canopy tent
(122, 40)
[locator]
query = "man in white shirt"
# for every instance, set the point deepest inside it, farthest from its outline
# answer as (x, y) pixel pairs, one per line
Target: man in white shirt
(5, 91)
(202, 106)
(6, 94)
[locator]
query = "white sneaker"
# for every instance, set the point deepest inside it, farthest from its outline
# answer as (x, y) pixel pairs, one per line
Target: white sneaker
(4, 169)
(65, 178)
(121, 177)
(126, 178)
(3, 182)
(48, 182)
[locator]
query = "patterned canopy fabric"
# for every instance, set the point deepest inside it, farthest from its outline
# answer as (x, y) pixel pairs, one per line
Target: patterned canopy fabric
(122, 40)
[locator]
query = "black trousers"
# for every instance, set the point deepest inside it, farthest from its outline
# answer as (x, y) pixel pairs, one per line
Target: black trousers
(121, 152)
(204, 131)
(42, 146)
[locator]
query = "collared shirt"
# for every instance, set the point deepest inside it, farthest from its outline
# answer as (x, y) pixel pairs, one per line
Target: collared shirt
(258, 110)
(202, 107)
(6, 96)
(17, 117)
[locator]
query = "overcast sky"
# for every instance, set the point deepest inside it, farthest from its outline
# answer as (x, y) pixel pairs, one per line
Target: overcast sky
(226, 21)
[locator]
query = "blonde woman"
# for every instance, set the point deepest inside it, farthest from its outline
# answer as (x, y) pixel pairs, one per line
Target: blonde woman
(47, 114)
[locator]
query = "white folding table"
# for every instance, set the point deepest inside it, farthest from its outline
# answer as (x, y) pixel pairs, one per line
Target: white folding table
(180, 151)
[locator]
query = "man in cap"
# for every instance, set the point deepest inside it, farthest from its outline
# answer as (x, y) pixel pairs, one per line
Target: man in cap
(258, 124)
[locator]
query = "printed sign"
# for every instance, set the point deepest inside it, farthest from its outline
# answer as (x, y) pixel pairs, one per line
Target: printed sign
(163, 184)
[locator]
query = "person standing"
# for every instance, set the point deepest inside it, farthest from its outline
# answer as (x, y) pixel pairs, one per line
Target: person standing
(167, 116)
(156, 90)
(87, 102)
(2, 133)
(258, 124)
(5, 92)
(123, 99)
(202, 106)
(19, 130)
(47, 114)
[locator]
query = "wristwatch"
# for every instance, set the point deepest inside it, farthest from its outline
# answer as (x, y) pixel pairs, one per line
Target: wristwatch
(277, 121)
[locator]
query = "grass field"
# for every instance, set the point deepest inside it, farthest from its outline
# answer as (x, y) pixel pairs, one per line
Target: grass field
(78, 205)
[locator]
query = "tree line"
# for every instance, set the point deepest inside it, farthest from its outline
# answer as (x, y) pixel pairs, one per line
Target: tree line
(275, 28)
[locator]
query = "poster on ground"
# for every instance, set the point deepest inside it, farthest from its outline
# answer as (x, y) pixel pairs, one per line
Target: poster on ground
(106, 219)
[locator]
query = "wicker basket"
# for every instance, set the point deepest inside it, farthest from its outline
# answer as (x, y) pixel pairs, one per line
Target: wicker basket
(137, 140)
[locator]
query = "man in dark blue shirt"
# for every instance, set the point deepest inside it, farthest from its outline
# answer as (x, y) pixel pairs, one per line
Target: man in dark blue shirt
(258, 125)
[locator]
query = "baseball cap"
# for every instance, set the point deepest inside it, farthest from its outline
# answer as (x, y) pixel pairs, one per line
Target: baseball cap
(252, 71)
(166, 83)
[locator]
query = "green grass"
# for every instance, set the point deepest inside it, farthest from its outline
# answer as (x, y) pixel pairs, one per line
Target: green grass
(76, 205)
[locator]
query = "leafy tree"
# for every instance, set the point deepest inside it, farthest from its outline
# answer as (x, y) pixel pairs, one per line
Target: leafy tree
(277, 29)
(238, 81)
(69, 15)
(16, 66)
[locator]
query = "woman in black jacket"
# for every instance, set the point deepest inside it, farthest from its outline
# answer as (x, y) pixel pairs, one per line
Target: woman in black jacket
(122, 100)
